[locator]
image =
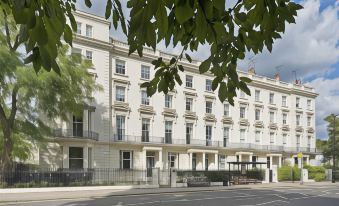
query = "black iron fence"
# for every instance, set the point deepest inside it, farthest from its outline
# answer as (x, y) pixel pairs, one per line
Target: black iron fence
(73, 177)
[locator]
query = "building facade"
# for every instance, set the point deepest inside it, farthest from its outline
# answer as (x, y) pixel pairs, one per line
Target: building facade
(189, 128)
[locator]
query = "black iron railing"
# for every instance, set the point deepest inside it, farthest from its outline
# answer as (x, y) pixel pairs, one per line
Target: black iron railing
(79, 134)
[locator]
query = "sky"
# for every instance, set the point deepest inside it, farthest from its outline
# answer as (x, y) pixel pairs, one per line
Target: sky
(310, 48)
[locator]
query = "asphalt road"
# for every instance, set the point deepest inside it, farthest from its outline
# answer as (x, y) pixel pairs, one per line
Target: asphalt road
(306, 196)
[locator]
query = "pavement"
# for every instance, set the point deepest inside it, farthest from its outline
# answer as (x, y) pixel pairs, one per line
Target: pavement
(309, 194)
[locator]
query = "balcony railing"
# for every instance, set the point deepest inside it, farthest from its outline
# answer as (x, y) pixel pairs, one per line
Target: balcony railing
(210, 143)
(78, 134)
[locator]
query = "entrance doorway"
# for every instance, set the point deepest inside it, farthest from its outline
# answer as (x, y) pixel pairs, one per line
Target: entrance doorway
(150, 163)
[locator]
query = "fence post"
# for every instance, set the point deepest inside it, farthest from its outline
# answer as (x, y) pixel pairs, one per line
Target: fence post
(173, 179)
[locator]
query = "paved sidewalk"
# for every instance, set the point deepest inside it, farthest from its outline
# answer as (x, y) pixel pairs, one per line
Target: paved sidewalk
(30, 194)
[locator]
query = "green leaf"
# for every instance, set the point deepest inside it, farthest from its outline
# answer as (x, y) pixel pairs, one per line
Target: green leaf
(219, 4)
(162, 21)
(145, 84)
(183, 11)
(88, 3)
(188, 57)
(205, 66)
(108, 9)
(68, 35)
(243, 86)
(222, 93)
(241, 16)
(245, 79)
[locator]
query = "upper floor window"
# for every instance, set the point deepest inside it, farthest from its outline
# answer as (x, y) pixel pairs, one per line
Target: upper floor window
(89, 31)
(272, 119)
(120, 93)
(257, 95)
(144, 98)
(208, 85)
(78, 125)
(284, 101)
(226, 135)
(189, 132)
(168, 101)
(242, 112)
(189, 104)
(120, 67)
(89, 55)
(257, 136)
(257, 114)
(171, 159)
(120, 125)
(208, 135)
(297, 102)
(242, 135)
(284, 139)
(309, 141)
(298, 120)
(145, 72)
(272, 137)
(271, 100)
(284, 118)
(189, 81)
(242, 94)
(78, 28)
(298, 140)
(227, 110)
(208, 107)
(309, 104)
(168, 132)
(309, 121)
(145, 129)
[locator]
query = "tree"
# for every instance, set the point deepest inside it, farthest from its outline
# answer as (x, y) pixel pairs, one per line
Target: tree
(28, 99)
(230, 30)
(329, 147)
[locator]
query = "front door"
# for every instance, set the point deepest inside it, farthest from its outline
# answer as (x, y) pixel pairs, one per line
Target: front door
(149, 165)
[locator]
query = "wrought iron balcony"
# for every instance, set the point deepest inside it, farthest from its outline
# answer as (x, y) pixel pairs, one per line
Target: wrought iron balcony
(77, 134)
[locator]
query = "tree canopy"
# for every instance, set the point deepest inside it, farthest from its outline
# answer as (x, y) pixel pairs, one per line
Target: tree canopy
(328, 147)
(230, 30)
(28, 100)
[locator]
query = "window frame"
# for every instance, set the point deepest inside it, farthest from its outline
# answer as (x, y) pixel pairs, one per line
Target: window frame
(189, 103)
(189, 81)
(208, 85)
(168, 101)
(209, 107)
(145, 72)
(145, 100)
(89, 34)
(120, 97)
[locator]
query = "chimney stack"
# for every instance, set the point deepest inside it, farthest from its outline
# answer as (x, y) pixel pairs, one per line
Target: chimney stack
(277, 77)
(251, 71)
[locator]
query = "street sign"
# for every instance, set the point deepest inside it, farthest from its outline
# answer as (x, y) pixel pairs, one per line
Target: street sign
(300, 155)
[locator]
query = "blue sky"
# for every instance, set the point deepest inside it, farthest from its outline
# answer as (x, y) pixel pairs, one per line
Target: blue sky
(310, 47)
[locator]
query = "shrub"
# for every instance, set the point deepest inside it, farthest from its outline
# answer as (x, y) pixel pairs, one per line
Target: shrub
(288, 173)
(319, 177)
(314, 170)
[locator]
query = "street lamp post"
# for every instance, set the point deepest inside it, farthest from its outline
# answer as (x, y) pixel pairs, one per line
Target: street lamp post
(334, 146)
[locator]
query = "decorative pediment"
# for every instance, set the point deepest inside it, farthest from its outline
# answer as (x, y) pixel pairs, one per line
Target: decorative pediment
(194, 94)
(190, 115)
(146, 109)
(310, 130)
(299, 129)
(121, 106)
(169, 112)
(227, 120)
(273, 126)
(285, 127)
(211, 97)
(210, 118)
(259, 124)
(244, 122)
(243, 103)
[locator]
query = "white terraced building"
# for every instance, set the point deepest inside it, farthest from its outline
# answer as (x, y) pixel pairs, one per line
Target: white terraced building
(189, 128)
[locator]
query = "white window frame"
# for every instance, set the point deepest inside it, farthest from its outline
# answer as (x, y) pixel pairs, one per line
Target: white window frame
(168, 132)
(209, 107)
(257, 114)
(297, 102)
(189, 81)
(257, 95)
(189, 103)
(284, 119)
(89, 31)
(298, 119)
(257, 136)
(208, 86)
(226, 110)
(284, 101)
(168, 100)
(145, 72)
(272, 138)
(89, 55)
(79, 24)
(242, 135)
(271, 98)
(120, 67)
(242, 111)
(145, 100)
(120, 121)
(120, 97)
(122, 159)
(272, 117)
(226, 136)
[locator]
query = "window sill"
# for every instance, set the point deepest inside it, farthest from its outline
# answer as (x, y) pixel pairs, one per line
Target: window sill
(144, 80)
(190, 88)
(121, 75)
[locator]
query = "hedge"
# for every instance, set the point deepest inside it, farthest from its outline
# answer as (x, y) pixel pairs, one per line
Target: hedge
(316, 173)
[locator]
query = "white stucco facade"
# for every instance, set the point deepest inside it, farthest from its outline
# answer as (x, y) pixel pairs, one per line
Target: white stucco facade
(194, 130)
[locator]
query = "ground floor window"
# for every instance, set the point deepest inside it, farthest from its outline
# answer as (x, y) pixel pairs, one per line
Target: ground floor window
(126, 159)
(76, 158)
(171, 160)
(254, 159)
(222, 162)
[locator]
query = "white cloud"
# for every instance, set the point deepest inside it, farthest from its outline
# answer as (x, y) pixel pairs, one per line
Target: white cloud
(308, 47)
(326, 103)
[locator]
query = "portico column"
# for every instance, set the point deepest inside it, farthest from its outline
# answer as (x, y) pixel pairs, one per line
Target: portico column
(216, 161)
(65, 157)
(85, 160)
(190, 163)
(308, 160)
(143, 158)
(240, 157)
(271, 161)
(280, 161)
(160, 165)
(250, 160)
(203, 161)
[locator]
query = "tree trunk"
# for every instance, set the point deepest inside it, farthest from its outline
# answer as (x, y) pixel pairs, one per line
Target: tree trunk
(6, 156)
